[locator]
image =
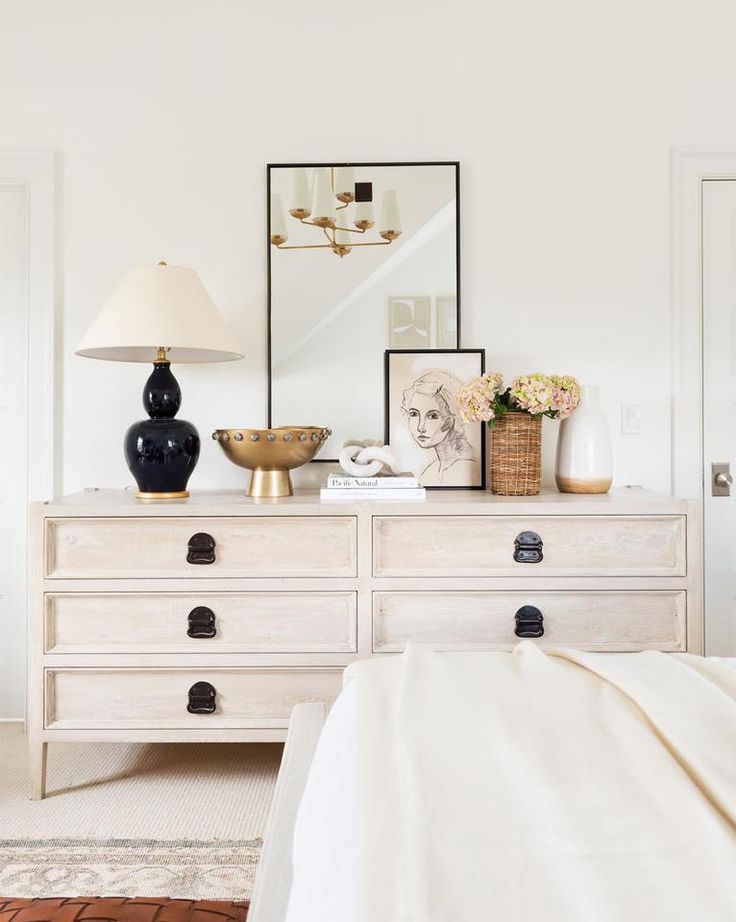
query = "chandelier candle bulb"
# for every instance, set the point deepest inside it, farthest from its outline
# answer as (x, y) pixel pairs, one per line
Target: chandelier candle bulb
(301, 197)
(390, 218)
(343, 238)
(364, 217)
(279, 233)
(345, 183)
(323, 205)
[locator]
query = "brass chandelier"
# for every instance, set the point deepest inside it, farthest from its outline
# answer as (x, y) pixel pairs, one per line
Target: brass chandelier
(327, 206)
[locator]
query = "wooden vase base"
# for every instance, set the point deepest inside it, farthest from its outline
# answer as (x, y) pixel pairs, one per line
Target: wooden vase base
(571, 485)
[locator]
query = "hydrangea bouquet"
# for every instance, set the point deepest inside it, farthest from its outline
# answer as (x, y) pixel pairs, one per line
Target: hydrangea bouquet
(485, 399)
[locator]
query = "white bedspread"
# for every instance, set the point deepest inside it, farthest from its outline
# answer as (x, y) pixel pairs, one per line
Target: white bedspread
(325, 886)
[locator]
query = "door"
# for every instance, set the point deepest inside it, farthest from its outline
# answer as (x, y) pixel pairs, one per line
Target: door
(719, 414)
(14, 325)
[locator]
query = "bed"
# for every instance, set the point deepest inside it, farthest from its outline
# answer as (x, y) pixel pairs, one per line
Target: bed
(310, 866)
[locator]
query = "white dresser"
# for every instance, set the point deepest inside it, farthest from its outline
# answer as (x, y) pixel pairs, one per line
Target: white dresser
(208, 619)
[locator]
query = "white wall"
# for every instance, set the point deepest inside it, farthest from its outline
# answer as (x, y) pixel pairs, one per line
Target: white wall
(562, 115)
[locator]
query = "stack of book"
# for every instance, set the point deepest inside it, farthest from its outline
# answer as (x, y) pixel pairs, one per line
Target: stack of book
(342, 488)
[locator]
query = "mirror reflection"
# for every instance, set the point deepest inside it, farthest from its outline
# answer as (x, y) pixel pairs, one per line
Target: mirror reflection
(363, 258)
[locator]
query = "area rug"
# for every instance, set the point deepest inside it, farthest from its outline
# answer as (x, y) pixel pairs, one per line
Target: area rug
(182, 868)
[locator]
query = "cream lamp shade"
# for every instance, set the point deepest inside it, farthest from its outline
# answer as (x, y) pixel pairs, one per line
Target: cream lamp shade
(159, 306)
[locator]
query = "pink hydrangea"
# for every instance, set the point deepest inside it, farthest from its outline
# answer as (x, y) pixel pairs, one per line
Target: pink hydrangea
(565, 395)
(475, 400)
(484, 399)
(557, 396)
(533, 393)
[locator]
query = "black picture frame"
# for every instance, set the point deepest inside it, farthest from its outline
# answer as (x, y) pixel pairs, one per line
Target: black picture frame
(387, 405)
(352, 163)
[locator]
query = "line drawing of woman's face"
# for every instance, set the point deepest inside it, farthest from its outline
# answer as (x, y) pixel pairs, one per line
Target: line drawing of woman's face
(435, 425)
(428, 420)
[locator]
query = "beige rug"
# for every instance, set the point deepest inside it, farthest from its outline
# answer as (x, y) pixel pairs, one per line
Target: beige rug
(175, 820)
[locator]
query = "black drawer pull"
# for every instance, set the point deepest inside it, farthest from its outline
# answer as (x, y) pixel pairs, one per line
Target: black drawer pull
(201, 622)
(528, 548)
(529, 622)
(202, 698)
(201, 548)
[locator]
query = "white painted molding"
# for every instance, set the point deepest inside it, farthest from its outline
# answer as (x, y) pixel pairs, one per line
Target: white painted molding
(35, 169)
(690, 167)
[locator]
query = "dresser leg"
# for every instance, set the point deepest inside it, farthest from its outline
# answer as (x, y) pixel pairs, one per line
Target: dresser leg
(38, 753)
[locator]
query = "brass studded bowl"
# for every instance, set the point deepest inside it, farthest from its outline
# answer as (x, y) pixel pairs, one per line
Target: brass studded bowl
(271, 453)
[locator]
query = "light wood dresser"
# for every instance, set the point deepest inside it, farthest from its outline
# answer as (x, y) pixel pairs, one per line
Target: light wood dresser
(208, 619)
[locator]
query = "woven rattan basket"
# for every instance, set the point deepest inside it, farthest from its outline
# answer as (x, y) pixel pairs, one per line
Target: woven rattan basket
(516, 455)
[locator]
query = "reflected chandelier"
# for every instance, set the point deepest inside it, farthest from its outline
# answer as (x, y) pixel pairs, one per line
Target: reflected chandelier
(338, 222)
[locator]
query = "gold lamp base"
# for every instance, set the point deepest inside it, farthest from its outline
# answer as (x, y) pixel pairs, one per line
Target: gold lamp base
(269, 483)
(153, 497)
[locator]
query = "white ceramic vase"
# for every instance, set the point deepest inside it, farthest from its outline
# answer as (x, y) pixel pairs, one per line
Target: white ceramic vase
(584, 462)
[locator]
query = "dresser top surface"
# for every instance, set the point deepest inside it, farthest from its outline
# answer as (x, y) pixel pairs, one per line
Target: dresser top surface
(460, 502)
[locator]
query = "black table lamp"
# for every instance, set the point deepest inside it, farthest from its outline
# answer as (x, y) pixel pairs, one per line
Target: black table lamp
(160, 314)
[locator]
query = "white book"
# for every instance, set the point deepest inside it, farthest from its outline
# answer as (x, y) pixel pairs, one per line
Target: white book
(342, 482)
(351, 495)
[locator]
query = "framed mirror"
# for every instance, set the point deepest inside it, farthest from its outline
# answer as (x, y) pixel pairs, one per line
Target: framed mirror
(362, 257)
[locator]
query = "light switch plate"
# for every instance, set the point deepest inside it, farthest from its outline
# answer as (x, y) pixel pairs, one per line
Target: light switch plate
(630, 419)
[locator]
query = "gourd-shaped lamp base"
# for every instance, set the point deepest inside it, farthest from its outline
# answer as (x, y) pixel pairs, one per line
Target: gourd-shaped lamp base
(162, 451)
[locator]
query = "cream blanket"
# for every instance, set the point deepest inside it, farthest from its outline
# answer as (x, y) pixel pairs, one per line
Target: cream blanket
(557, 787)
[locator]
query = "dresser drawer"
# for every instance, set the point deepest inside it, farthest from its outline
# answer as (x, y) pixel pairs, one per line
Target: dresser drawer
(476, 620)
(256, 546)
(480, 545)
(204, 622)
(158, 698)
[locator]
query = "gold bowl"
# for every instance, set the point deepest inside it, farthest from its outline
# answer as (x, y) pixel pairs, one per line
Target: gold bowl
(271, 453)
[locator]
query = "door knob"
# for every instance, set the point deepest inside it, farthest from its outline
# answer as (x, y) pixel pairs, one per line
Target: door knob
(721, 479)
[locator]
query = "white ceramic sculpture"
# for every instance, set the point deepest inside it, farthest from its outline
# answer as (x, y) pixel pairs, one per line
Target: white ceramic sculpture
(368, 459)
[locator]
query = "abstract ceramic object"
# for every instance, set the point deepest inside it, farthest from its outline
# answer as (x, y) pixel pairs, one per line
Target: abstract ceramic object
(271, 453)
(584, 461)
(367, 459)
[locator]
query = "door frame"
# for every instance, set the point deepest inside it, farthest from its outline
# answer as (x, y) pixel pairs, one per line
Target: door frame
(690, 167)
(35, 170)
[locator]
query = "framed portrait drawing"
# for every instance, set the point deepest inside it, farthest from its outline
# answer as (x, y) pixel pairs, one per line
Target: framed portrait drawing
(423, 424)
(410, 325)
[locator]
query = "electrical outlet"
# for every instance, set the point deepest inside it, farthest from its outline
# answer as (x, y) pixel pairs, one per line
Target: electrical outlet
(630, 419)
